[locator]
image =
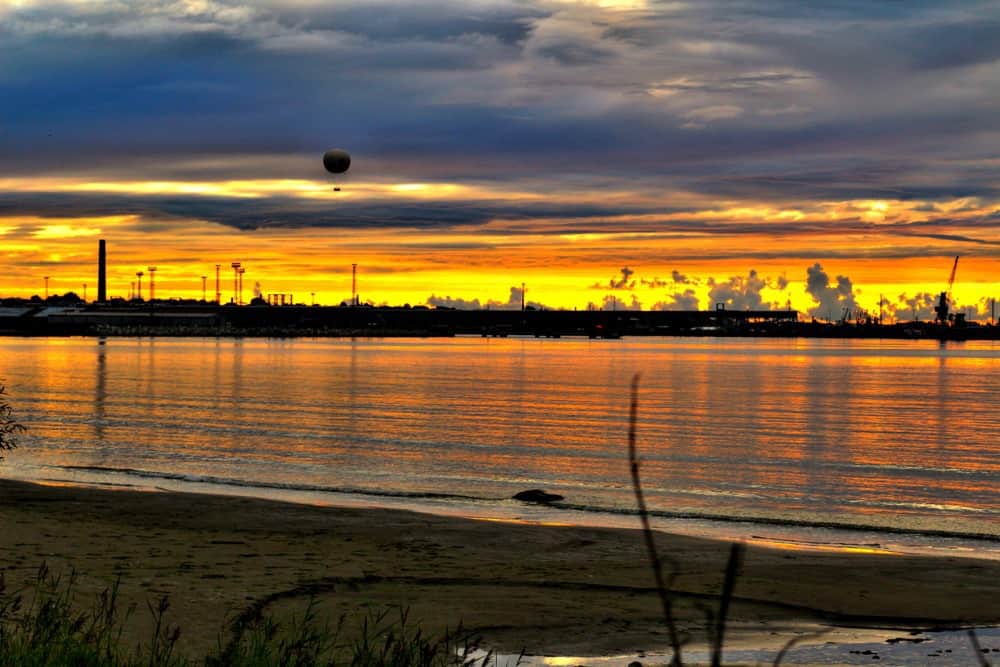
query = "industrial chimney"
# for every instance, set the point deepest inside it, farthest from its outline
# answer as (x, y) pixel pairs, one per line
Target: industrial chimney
(102, 272)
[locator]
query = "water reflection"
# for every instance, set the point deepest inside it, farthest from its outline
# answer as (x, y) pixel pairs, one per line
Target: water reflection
(100, 391)
(832, 430)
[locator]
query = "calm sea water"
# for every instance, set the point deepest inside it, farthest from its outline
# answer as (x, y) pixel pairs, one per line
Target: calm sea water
(773, 439)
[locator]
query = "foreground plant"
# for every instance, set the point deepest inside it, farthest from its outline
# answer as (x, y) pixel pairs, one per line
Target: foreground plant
(384, 639)
(10, 428)
(664, 585)
(48, 631)
(44, 628)
(716, 621)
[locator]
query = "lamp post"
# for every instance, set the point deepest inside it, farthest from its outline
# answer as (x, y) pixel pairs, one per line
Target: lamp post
(152, 285)
(236, 280)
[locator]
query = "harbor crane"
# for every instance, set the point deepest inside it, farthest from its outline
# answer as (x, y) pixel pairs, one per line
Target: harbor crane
(944, 300)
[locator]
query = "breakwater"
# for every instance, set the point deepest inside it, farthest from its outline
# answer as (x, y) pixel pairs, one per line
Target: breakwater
(187, 318)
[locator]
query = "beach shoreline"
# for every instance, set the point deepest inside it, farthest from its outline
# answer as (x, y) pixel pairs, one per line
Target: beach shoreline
(960, 537)
(550, 590)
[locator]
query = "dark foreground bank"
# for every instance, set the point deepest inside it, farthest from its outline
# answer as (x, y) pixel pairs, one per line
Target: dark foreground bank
(560, 590)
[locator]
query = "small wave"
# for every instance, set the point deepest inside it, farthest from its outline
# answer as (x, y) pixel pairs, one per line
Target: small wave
(103, 485)
(939, 507)
(555, 506)
(796, 523)
(278, 486)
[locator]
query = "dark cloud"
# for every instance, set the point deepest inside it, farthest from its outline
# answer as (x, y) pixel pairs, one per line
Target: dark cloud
(515, 217)
(960, 238)
(676, 278)
(952, 44)
(614, 302)
(823, 10)
(290, 212)
(456, 302)
(624, 282)
(920, 307)
(509, 22)
(985, 310)
(917, 307)
(680, 278)
(575, 53)
(513, 302)
(731, 84)
(740, 293)
(767, 100)
(686, 300)
(834, 177)
(832, 301)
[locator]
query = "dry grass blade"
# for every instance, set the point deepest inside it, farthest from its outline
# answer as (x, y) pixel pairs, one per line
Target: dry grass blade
(790, 644)
(983, 662)
(647, 531)
(736, 552)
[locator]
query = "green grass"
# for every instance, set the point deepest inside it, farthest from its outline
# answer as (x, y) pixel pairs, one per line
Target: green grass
(45, 628)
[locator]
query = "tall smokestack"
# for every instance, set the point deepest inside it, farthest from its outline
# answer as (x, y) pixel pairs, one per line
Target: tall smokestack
(354, 284)
(102, 272)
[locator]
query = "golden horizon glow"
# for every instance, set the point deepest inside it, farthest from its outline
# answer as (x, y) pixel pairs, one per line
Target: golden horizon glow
(257, 188)
(563, 263)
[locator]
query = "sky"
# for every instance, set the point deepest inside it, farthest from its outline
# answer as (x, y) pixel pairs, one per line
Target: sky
(759, 154)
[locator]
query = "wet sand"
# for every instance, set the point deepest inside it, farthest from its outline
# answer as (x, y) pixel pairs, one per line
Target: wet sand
(553, 590)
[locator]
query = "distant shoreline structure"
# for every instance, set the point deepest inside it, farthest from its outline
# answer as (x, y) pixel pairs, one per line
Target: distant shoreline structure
(178, 318)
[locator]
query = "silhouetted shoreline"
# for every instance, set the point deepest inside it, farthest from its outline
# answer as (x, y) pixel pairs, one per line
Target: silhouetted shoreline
(176, 318)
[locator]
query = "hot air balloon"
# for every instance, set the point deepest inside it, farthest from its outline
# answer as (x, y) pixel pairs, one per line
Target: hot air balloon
(336, 160)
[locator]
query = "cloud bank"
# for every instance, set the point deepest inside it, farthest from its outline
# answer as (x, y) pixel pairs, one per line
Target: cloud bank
(677, 132)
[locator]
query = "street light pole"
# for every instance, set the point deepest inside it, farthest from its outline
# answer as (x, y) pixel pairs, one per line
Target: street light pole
(236, 280)
(152, 284)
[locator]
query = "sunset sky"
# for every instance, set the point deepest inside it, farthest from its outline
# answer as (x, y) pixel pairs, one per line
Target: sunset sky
(664, 154)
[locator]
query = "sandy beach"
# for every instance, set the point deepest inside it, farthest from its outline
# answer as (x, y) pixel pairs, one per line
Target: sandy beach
(550, 590)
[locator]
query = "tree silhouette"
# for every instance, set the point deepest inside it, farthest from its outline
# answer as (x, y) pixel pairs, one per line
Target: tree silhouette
(9, 426)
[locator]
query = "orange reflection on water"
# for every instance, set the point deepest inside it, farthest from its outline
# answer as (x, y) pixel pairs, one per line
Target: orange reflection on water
(520, 522)
(778, 428)
(825, 548)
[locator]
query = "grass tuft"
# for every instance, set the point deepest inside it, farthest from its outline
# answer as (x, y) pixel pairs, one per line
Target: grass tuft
(45, 629)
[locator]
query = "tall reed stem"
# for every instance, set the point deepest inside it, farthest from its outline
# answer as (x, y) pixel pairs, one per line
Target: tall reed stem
(654, 559)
